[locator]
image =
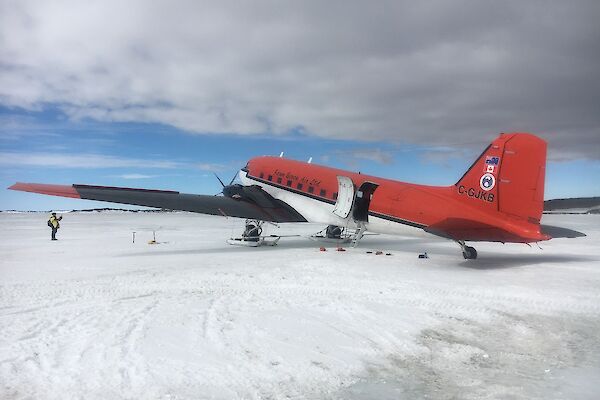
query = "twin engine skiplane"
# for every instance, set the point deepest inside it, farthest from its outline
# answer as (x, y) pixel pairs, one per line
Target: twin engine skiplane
(498, 199)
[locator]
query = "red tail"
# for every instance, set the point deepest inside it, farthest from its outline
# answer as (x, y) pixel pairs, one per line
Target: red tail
(509, 177)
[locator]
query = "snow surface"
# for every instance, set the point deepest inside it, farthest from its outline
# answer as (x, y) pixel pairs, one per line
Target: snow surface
(95, 316)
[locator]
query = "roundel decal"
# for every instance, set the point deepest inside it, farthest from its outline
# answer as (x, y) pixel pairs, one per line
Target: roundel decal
(487, 182)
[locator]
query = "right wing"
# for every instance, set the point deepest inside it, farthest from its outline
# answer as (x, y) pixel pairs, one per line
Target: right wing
(257, 205)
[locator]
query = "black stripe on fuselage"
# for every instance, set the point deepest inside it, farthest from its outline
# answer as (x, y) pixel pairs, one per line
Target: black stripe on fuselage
(328, 201)
(398, 220)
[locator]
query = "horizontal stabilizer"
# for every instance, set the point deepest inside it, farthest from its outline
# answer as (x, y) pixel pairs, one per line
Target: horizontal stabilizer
(558, 232)
(466, 229)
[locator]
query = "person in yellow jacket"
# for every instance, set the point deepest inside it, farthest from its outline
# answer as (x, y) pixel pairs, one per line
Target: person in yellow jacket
(53, 223)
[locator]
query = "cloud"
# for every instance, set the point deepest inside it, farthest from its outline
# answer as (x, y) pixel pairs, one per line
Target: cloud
(15, 127)
(433, 72)
(211, 167)
(351, 157)
(136, 176)
(66, 160)
(441, 154)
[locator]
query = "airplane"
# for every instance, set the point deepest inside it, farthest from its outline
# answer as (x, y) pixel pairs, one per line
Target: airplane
(498, 199)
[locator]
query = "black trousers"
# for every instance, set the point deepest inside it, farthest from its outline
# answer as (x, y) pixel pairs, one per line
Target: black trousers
(54, 230)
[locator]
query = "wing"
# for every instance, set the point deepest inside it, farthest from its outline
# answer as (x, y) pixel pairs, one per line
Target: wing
(253, 202)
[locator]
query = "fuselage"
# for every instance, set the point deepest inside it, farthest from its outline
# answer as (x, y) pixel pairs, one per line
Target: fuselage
(396, 207)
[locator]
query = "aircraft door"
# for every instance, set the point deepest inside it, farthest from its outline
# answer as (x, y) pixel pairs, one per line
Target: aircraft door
(345, 198)
(364, 194)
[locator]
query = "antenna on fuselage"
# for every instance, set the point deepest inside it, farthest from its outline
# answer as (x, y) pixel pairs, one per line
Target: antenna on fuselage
(281, 155)
(310, 160)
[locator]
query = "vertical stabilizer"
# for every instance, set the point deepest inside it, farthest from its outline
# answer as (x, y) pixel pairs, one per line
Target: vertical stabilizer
(508, 177)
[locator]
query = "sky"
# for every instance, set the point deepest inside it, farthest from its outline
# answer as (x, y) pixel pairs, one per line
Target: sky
(165, 94)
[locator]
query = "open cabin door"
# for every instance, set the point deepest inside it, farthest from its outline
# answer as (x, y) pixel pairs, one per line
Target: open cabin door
(345, 197)
(351, 201)
(362, 201)
(354, 204)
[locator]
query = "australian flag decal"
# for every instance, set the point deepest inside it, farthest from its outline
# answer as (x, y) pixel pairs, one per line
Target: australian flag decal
(489, 160)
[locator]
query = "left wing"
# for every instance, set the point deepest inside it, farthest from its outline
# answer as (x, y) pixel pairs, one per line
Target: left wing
(251, 202)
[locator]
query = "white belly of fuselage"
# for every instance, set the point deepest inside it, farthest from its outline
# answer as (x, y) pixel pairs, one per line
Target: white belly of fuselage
(320, 212)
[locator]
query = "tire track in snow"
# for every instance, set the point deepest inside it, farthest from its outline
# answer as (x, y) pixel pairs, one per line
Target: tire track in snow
(68, 338)
(409, 294)
(74, 316)
(208, 316)
(130, 332)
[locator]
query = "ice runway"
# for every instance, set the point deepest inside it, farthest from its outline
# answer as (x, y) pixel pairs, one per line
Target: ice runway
(96, 316)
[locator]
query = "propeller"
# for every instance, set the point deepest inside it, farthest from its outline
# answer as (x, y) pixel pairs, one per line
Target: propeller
(219, 179)
(226, 191)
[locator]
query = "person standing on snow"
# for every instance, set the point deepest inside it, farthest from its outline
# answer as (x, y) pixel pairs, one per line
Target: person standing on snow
(53, 223)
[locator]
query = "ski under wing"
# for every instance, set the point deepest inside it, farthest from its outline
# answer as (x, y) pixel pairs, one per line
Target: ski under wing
(171, 200)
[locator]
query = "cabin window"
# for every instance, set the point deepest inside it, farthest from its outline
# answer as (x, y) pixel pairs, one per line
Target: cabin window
(278, 180)
(262, 175)
(299, 186)
(323, 193)
(270, 177)
(289, 183)
(311, 189)
(335, 196)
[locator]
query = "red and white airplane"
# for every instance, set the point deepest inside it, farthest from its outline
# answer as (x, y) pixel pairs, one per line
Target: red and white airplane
(499, 198)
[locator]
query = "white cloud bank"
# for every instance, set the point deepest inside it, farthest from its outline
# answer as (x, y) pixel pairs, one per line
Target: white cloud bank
(420, 72)
(67, 160)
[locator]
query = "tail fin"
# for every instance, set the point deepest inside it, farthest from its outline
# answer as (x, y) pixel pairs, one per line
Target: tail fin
(509, 177)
